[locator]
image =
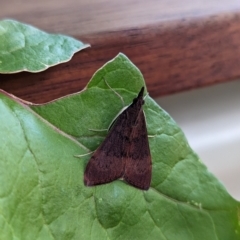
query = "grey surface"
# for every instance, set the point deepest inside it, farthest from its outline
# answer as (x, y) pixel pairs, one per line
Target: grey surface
(210, 119)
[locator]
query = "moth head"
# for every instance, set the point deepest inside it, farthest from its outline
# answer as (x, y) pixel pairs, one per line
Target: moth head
(139, 99)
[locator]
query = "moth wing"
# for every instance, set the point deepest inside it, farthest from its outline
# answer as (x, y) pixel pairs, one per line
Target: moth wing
(102, 169)
(138, 164)
(107, 164)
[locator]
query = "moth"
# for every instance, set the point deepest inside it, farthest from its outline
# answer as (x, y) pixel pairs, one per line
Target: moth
(125, 152)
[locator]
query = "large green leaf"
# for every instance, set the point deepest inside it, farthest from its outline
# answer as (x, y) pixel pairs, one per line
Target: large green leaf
(42, 195)
(25, 48)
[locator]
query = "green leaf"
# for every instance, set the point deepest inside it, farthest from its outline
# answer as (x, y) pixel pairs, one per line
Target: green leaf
(25, 48)
(42, 195)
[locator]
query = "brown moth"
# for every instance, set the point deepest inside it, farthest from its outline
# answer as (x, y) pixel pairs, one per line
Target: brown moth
(125, 151)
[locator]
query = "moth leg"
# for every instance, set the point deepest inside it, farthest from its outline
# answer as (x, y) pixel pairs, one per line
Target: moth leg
(98, 130)
(82, 155)
(152, 136)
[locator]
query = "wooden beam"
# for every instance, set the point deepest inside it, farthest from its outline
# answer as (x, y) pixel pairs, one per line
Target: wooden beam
(176, 46)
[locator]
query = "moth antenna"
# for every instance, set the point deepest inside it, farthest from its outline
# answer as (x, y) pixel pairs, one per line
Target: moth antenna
(114, 92)
(147, 94)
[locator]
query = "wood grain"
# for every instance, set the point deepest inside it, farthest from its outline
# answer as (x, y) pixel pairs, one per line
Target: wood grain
(176, 46)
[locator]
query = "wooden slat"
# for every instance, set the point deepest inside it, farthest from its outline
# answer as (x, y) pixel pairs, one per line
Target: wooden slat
(177, 46)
